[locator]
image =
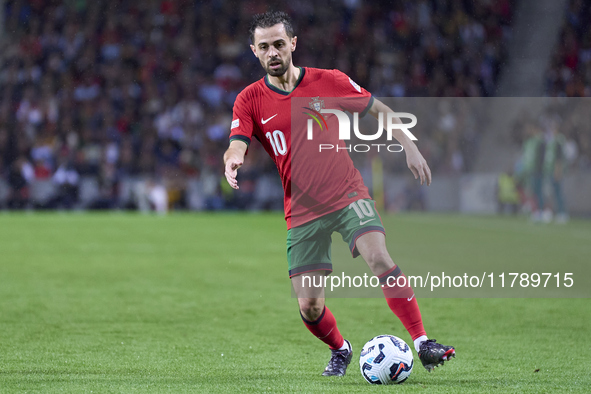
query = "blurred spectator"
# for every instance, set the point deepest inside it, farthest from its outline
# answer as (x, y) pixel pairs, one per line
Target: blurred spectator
(508, 200)
(151, 195)
(157, 197)
(21, 174)
(67, 179)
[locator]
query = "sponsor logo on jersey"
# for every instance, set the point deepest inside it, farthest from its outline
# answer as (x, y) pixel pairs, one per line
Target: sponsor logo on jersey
(235, 123)
(355, 85)
(263, 121)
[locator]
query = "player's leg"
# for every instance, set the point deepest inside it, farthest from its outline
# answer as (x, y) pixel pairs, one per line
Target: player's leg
(362, 229)
(316, 317)
(319, 320)
(397, 291)
(308, 256)
(561, 215)
(538, 188)
(401, 299)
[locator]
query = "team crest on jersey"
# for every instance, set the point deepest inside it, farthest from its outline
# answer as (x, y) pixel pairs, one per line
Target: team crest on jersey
(316, 104)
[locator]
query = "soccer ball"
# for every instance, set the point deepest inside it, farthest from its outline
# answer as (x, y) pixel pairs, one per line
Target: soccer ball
(386, 359)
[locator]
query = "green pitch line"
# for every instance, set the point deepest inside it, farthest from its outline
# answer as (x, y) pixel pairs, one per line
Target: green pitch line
(202, 303)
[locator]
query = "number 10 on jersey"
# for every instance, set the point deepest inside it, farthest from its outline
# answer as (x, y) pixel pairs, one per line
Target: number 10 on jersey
(277, 140)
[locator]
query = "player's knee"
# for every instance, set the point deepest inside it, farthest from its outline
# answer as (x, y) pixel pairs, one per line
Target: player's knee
(378, 260)
(311, 308)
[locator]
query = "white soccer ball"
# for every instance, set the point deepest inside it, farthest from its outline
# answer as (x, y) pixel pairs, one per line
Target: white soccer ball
(386, 359)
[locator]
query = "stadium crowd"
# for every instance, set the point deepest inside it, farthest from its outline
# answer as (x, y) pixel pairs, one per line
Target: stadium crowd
(119, 89)
(569, 73)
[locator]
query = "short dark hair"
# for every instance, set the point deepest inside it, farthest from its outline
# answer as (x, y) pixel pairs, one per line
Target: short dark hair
(269, 19)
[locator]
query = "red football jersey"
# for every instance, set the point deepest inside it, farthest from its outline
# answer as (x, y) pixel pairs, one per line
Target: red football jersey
(315, 181)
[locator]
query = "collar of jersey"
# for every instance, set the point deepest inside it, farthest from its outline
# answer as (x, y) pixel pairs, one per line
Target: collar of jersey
(281, 91)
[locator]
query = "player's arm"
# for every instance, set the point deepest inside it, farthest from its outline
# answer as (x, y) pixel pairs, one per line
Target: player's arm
(415, 161)
(233, 159)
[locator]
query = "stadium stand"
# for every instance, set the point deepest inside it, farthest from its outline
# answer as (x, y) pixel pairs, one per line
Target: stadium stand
(116, 92)
(569, 72)
(569, 75)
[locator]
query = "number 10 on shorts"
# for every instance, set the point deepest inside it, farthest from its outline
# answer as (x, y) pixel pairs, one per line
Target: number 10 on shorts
(363, 209)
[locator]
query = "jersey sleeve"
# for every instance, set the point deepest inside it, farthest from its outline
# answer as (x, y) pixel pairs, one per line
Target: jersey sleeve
(354, 97)
(242, 120)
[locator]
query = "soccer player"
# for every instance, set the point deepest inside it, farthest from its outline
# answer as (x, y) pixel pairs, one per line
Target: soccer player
(554, 166)
(534, 147)
(323, 190)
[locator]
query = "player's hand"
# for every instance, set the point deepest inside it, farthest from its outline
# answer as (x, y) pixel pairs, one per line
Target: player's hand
(232, 166)
(418, 165)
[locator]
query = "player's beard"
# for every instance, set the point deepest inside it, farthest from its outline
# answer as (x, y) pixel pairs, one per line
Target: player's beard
(278, 71)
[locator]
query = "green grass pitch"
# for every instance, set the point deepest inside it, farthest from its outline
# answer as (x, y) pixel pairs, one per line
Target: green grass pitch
(201, 303)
